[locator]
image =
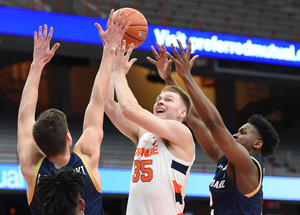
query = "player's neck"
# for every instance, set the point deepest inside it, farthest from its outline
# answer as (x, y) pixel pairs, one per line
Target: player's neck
(60, 160)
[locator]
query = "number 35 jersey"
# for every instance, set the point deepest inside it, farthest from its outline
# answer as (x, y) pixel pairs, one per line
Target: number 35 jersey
(158, 179)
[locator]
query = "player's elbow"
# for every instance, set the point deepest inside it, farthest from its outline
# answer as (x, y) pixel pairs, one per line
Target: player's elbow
(126, 111)
(213, 125)
(129, 112)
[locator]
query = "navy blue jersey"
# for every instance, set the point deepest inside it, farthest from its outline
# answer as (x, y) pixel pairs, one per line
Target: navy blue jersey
(226, 199)
(92, 192)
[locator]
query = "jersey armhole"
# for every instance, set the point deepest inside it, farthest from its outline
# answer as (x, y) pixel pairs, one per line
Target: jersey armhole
(34, 179)
(260, 179)
(89, 172)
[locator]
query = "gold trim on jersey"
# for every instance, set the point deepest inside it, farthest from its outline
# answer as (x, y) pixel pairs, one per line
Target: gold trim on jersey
(260, 179)
(90, 173)
(37, 168)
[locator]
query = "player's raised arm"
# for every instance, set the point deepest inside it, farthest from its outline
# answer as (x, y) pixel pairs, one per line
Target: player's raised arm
(89, 143)
(113, 111)
(168, 127)
(202, 134)
(208, 112)
(28, 151)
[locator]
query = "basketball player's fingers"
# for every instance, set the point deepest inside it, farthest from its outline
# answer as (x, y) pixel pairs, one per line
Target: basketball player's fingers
(55, 47)
(175, 51)
(35, 38)
(100, 31)
(129, 50)
(169, 63)
(180, 47)
(117, 53)
(189, 50)
(40, 32)
(126, 27)
(110, 17)
(151, 60)
(50, 34)
(123, 21)
(156, 55)
(119, 18)
(164, 48)
(192, 61)
(132, 61)
(171, 57)
(99, 28)
(157, 45)
(159, 49)
(45, 32)
(123, 46)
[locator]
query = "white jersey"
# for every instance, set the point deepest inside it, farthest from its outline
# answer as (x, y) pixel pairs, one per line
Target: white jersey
(158, 179)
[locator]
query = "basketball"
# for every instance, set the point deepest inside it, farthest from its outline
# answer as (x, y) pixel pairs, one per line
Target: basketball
(138, 29)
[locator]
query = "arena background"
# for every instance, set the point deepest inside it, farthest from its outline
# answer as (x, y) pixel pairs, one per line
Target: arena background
(238, 87)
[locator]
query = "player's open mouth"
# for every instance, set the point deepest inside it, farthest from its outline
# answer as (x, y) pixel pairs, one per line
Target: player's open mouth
(160, 110)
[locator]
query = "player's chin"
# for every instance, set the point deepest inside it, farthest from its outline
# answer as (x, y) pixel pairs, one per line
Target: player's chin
(160, 115)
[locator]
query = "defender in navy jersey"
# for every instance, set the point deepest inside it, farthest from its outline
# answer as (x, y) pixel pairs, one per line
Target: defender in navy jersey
(49, 135)
(92, 192)
(236, 188)
(227, 199)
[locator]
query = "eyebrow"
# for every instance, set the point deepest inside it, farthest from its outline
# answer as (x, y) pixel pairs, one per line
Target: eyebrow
(167, 96)
(242, 129)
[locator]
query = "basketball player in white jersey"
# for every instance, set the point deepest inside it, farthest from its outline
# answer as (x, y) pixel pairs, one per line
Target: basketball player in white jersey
(237, 186)
(165, 148)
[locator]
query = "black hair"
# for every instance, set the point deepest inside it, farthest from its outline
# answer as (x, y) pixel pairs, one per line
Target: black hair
(59, 192)
(267, 132)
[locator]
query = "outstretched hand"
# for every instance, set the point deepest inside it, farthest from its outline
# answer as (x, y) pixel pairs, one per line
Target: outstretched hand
(42, 52)
(121, 61)
(182, 61)
(115, 31)
(162, 62)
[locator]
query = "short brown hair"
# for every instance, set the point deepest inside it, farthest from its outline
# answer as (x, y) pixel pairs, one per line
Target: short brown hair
(184, 96)
(49, 132)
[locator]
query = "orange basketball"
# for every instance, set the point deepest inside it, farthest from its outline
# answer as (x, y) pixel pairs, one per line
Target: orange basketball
(138, 29)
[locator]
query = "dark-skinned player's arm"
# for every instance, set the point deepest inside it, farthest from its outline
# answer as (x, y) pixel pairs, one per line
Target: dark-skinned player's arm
(236, 153)
(202, 134)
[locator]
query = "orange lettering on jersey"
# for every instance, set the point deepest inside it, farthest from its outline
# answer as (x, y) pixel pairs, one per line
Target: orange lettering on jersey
(140, 152)
(155, 152)
(137, 152)
(148, 152)
(177, 187)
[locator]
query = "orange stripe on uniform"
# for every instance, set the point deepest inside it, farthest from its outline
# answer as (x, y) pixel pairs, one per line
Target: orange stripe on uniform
(177, 187)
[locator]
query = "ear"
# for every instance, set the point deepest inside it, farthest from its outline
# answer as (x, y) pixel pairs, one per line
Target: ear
(182, 113)
(68, 136)
(258, 144)
(69, 139)
(81, 205)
